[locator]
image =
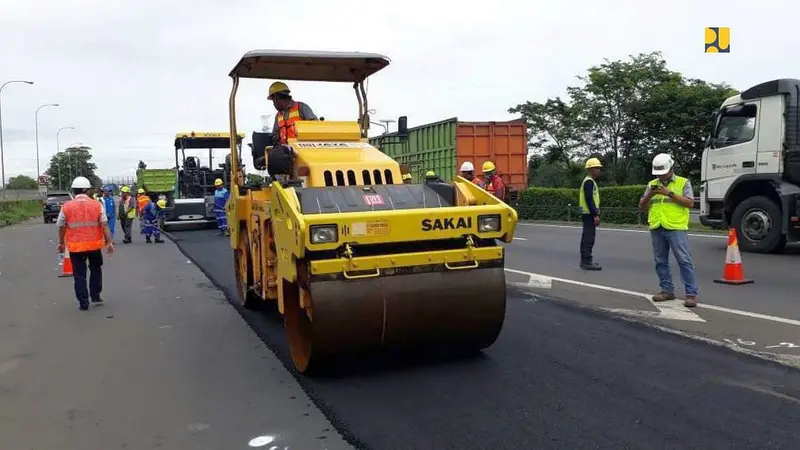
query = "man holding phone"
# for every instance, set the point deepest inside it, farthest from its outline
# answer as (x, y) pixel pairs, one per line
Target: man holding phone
(668, 200)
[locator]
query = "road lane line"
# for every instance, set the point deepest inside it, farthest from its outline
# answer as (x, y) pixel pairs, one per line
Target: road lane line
(701, 235)
(520, 239)
(545, 282)
(665, 310)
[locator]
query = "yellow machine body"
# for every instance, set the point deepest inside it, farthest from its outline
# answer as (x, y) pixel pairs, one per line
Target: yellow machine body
(355, 259)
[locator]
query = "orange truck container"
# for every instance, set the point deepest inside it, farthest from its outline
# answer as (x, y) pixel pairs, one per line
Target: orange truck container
(444, 146)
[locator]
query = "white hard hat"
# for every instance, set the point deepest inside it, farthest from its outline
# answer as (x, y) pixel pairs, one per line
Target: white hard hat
(81, 183)
(662, 164)
(467, 167)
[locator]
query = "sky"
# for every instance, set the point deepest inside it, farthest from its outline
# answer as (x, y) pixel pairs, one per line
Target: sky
(129, 75)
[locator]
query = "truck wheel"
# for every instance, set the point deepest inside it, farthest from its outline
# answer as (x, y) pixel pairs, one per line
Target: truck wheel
(758, 225)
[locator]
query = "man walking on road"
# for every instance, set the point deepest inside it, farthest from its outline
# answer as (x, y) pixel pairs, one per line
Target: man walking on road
(221, 196)
(668, 199)
(127, 212)
(589, 200)
(111, 212)
(83, 229)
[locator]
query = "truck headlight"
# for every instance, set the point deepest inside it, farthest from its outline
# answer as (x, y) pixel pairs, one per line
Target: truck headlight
(324, 234)
(489, 223)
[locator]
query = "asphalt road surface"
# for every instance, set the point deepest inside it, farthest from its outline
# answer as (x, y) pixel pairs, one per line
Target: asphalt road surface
(559, 377)
(165, 363)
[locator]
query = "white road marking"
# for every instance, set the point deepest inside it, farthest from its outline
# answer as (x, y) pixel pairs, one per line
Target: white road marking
(520, 239)
(625, 230)
(667, 310)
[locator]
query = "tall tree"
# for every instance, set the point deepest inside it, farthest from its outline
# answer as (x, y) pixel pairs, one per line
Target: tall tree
(552, 129)
(22, 182)
(71, 163)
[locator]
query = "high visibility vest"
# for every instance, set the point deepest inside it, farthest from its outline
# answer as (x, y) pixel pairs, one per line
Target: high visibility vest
(84, 230)
(665, 212)
(595, 196)
(126, 208)
(492, 186)
(141, 201)
(286, 128)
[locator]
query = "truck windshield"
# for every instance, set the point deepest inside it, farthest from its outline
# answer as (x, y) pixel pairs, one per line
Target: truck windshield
(736, 124)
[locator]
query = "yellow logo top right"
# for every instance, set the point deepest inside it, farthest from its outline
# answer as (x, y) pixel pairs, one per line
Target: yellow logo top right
(718, 40)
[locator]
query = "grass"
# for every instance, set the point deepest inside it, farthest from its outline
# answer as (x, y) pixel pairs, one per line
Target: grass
(16, 211)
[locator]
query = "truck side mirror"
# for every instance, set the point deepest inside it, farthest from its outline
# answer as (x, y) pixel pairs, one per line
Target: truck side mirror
(402, 127)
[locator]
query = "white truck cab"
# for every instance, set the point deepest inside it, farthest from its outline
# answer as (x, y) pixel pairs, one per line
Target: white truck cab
(751, 167)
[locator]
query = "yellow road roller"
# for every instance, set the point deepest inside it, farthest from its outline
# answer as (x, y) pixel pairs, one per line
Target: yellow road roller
(354, 258)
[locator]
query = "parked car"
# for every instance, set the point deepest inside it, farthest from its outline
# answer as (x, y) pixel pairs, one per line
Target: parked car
(52, 205)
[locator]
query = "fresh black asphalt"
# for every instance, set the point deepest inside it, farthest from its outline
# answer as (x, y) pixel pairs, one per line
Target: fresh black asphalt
(559, 377)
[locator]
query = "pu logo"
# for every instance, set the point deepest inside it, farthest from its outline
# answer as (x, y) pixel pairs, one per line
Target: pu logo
(718, 40)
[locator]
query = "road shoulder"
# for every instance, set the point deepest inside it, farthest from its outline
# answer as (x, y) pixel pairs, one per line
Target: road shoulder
(165, 363)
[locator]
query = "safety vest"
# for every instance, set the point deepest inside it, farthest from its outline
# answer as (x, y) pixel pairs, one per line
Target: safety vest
(286, 127)
(492, 186)
(141, 201)
(126, 208)
(84, 231)
(665, 212)
(595, 196)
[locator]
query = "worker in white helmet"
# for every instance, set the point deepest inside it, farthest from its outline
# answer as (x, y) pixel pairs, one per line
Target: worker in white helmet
(468, 171)
(83, 232)
(668, 200)
(589, 201)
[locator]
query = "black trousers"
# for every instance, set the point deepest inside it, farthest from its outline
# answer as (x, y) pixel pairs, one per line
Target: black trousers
(587, 238)
(127, 225)
(79, 272)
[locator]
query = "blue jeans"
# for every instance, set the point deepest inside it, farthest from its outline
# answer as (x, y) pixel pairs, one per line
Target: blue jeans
(677, 241)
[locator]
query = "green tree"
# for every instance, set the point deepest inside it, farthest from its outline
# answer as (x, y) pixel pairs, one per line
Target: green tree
(552, 129)
(253, 178)
(71, 163)
(22, 182)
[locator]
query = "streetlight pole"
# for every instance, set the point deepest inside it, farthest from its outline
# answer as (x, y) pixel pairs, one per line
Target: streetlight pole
(58, 150)
(2, 160)
(36, 115)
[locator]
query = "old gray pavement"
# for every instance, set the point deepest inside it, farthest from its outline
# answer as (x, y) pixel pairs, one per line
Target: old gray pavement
(763, 316)
(559, 377)
(165, 363)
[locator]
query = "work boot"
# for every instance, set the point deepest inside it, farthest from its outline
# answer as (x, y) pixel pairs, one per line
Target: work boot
(590, 265)
(83, 306)
(97, 300)
(159, 241)
(147, 239)
(663, 297)
(691, 301)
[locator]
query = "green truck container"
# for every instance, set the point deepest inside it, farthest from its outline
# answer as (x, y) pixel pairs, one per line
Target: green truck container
(157, 181)
(444, 146)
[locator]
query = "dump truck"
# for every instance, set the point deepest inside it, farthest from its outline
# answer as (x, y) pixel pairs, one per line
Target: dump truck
(750, 173)
(353, 258)
(189, 188)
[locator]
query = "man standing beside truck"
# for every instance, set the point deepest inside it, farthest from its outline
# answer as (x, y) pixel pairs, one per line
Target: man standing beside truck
(589, 201)
(468, 171)
(127, 212)
(221, 196)
(668, 200)
(493, 183)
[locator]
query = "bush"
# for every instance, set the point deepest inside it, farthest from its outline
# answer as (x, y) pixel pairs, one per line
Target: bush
(618, 204)
(16, 211)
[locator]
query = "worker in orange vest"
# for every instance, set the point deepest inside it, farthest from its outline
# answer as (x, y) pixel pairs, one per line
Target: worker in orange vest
(468, 171)
(289, 112)
(493, 183)
(83, 230)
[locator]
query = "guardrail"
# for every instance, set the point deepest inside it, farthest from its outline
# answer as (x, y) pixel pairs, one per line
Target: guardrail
(19, 194)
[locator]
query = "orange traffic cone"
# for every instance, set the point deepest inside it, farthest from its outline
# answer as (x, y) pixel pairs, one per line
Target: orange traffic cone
(733, 273)
(66, 266)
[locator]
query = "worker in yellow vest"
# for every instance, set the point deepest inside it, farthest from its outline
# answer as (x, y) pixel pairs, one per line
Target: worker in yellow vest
(668, 200)
(589, 201)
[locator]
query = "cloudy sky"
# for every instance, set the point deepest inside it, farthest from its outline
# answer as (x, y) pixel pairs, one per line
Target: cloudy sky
(129, 75)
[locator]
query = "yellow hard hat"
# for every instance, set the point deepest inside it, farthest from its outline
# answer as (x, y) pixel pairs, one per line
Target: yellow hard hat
(161, 203)
(488, 166)
(278, 86)
(406, 176)
(125, 189)
(141, 191)
(593, 162)
(218, 182)
(430, 173)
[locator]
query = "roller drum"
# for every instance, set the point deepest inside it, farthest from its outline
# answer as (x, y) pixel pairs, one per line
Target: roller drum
(450, 307)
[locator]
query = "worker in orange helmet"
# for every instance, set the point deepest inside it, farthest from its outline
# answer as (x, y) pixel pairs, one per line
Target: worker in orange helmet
(289, 112)
(493, 183)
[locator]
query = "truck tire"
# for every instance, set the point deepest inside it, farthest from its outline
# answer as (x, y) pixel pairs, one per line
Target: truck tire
(758, 225)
